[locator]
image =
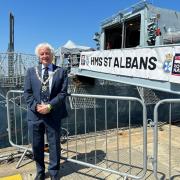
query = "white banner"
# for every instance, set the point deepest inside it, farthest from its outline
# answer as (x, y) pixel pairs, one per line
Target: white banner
(154, 63)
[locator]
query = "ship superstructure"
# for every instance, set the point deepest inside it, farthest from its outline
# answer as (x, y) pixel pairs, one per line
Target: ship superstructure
(137, 46)
(140, 25)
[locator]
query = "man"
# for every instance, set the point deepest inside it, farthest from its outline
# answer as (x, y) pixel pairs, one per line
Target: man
(45, 90)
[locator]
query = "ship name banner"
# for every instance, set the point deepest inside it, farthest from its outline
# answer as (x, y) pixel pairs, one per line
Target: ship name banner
(157, 63)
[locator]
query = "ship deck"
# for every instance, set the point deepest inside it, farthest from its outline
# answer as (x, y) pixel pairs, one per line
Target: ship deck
(74, 171)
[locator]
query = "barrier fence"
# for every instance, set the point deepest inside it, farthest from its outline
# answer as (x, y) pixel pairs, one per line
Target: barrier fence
(104, 137)
(88, 141)
(90, 144)
(166, 141)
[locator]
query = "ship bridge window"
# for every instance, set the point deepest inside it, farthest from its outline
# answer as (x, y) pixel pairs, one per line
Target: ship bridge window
(113, 37)
(132, 32)
(131, 36)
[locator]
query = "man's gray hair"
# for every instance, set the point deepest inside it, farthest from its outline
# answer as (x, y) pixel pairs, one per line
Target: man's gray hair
(41, 45)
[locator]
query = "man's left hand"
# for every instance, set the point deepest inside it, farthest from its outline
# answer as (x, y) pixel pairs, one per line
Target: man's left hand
(43, 108)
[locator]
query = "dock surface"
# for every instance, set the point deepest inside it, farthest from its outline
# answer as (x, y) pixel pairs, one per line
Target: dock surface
(75, 171)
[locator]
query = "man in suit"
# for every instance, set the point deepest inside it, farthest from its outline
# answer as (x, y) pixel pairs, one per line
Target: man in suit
(45, 90)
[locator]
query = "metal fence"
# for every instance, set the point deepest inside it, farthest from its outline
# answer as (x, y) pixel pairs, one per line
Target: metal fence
(105, 149)
(166, 140)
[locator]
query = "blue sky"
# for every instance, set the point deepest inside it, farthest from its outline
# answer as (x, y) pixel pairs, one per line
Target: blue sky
(57, 21)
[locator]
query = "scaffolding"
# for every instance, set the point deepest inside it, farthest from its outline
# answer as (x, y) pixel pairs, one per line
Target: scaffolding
(13, 67)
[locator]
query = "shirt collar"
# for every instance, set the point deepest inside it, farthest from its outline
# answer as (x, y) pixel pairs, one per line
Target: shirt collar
(50, 67)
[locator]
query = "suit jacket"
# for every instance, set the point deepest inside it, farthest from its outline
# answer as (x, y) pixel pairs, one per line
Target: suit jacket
(32, 93)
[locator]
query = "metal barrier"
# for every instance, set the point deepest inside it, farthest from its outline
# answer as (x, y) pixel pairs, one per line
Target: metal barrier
(94, 142)
(166, 141)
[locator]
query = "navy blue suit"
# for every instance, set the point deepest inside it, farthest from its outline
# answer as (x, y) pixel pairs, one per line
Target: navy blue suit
(51, 122)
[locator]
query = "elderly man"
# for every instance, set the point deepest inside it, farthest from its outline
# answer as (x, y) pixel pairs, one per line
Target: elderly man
(45, 90)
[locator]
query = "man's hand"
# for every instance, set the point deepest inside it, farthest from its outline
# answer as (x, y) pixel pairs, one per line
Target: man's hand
(43, 108)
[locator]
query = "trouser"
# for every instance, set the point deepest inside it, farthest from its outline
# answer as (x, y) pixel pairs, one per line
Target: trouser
(36, 131)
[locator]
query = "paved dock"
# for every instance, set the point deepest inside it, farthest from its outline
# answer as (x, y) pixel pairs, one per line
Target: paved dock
(107, 159)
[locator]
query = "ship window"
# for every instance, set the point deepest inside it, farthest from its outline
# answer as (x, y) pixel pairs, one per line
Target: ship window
(113, 34)
(132, 32)
(113, 37)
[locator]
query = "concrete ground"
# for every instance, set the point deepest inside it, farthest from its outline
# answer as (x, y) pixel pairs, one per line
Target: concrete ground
(107, 156)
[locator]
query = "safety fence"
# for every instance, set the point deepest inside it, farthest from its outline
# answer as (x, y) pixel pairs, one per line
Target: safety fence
(91, 141)
(166, 150)
(105, 137)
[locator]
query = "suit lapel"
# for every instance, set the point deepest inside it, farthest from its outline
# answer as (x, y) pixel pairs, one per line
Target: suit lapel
(39, 73)
(40, 70)
(54, 77)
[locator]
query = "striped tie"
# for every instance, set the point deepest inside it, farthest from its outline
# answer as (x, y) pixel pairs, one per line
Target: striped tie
(45, 88)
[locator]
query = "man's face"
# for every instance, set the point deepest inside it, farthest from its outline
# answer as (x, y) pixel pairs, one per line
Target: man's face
(45, 56)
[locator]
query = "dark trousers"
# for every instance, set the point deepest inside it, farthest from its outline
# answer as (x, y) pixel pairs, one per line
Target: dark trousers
(37, 130)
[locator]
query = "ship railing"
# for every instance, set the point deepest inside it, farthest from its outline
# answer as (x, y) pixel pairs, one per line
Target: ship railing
(166, 139)
(134, 8)
(94, 137)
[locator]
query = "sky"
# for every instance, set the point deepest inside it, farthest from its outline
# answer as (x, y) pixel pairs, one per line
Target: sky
(57, 21)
